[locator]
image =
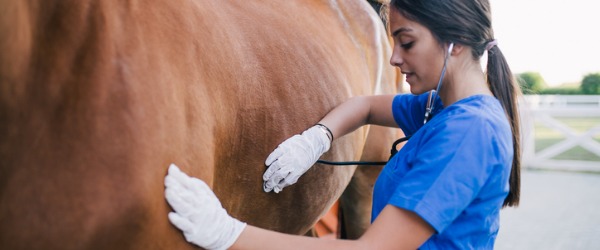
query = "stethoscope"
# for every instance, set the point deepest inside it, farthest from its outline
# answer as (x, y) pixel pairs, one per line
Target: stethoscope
(428, 111)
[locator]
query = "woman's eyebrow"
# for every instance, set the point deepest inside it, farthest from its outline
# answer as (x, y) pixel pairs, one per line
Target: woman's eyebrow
(400, 30)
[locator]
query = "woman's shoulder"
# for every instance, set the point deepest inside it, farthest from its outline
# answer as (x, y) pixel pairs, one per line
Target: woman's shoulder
(477, 108)
(473, 113)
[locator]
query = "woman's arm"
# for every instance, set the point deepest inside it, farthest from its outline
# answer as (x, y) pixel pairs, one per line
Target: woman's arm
(359, 111)
(198, 213)
(293, 157)
(395, 228)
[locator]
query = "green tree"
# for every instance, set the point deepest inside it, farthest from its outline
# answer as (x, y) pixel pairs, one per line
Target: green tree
(590, 85)
(531, 82)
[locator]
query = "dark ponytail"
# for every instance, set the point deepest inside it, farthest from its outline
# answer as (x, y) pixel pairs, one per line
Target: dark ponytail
(504, 87)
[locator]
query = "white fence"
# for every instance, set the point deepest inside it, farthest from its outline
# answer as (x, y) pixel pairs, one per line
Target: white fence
(548, 110)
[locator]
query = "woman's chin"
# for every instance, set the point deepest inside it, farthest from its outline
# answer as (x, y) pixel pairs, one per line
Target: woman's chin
(416, 91)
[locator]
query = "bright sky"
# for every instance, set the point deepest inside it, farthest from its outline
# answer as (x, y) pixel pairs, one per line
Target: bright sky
(558, 39)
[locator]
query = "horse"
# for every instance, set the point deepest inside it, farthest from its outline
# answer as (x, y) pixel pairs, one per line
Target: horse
(97, 98)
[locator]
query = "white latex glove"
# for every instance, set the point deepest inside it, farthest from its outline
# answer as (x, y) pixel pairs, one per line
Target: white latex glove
(293, 157)
(198, 212)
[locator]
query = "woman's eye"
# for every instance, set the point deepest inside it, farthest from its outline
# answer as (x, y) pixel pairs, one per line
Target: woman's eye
(406, 45)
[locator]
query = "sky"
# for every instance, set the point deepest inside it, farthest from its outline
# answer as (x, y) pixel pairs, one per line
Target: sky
(557, 38)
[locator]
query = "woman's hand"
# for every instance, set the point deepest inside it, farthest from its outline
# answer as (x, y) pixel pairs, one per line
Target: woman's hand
(198, 212)
(293, 157)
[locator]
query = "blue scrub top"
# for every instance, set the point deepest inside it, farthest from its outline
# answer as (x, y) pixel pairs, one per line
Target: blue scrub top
(454, 170)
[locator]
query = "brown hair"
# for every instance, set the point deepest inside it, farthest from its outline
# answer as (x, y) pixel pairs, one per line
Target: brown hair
(468, 22)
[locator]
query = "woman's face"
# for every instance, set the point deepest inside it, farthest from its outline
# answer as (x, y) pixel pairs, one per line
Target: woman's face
(416, 52)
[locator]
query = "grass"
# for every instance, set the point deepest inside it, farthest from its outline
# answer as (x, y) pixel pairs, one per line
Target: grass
(546, 137)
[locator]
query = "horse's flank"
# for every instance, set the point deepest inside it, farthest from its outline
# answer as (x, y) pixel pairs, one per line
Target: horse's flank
(97, 98)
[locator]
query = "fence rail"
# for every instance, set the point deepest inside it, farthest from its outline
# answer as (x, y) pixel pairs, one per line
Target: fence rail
(564, 101)
(548, 111)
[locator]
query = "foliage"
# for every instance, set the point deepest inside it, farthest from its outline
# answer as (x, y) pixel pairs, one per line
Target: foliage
(590, 85)
(561, 91)
(531, 82)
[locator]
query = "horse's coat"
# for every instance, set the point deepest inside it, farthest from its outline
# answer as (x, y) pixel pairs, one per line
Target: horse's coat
(97, 98)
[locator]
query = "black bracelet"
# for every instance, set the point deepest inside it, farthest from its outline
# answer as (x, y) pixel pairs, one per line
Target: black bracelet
(329, 133)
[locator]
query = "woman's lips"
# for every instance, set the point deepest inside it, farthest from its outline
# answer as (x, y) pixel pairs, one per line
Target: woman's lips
(408, 76)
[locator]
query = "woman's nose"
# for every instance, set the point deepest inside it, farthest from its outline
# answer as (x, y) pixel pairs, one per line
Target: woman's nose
(396, 59)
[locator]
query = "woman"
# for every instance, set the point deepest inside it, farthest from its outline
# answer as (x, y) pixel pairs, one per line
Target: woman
(445, 188)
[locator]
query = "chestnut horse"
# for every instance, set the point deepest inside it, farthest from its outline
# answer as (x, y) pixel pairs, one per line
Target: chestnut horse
(98, 97)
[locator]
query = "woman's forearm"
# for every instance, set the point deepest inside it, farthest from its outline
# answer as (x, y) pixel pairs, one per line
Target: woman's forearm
(394, 228)
(258, 238)
(359, 111)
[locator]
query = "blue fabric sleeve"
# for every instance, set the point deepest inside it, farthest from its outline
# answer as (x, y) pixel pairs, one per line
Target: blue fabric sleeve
(452, 167)
(409, 111)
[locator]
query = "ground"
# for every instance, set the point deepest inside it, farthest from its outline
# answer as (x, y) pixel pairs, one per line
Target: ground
(559, 210)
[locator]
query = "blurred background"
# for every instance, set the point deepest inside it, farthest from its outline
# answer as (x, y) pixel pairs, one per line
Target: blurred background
(553, 47)
(560, 40)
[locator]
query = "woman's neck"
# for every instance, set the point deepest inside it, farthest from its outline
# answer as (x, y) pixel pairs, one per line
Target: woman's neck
(462, 83)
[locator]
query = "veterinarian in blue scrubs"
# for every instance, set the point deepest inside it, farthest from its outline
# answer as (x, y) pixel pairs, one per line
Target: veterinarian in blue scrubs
(446, 186)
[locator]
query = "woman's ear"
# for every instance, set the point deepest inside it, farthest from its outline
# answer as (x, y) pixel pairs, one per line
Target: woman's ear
(456, 49)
